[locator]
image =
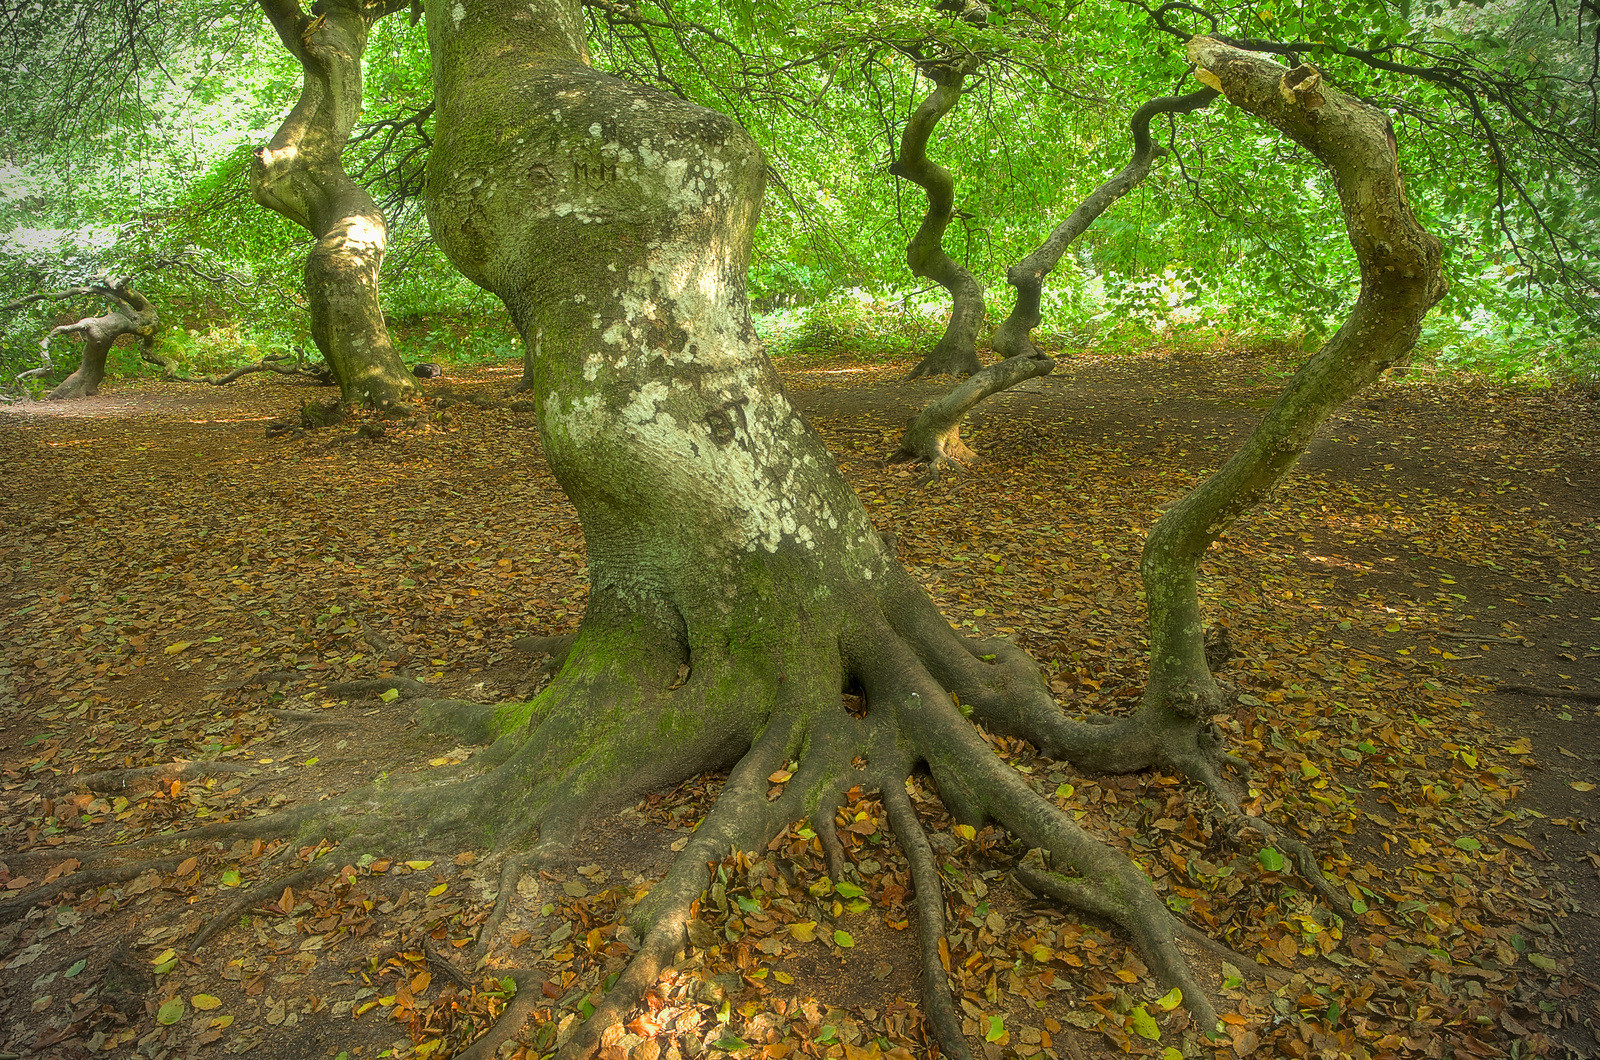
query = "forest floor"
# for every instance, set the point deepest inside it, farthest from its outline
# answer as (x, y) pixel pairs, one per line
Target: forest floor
(1417, 657)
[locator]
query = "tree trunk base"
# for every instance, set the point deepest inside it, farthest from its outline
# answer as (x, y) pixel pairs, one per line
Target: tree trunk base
(953, 359)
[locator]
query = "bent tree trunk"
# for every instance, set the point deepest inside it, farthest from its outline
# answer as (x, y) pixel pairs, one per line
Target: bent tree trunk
(1014, 336)
(1401, 279)
(616, 222)
(300, 174)
(934, 437)
(957, 349)
(131, 314)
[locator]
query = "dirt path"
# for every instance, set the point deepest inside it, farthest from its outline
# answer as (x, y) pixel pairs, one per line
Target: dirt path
(174, 585)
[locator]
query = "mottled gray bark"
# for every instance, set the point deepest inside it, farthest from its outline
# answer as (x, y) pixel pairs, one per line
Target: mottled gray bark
(300, 174)
(957, 350)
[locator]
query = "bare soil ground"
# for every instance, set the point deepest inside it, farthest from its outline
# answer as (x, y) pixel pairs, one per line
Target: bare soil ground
(1417, 654)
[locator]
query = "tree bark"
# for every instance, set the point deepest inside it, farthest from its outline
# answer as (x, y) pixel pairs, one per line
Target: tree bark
(957, 350)
(1014, 337)
(300, 174)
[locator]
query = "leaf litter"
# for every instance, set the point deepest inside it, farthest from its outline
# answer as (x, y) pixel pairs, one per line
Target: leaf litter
(206, 629)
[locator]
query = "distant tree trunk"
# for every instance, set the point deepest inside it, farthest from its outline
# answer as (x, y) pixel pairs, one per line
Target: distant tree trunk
(300, 174)
(132, 314)
(957, 350)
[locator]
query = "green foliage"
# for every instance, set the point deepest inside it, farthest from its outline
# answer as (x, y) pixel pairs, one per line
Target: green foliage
(1234, 230)
(852, 321)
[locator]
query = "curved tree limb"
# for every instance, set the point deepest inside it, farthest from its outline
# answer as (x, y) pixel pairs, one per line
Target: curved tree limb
(934, 437)
(1014, 336)
(957, 350)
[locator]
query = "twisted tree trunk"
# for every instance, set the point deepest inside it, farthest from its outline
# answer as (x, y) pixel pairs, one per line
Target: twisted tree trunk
(1401, 279)
(934, 437)
(957, 350)
(300, 174)
(131, 314)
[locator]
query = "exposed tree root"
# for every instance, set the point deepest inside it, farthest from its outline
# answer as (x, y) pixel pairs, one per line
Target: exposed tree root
(822, 823)
(1550, 693)
(556, 763)
(261, 892)
(530, 991)
(735, 822)
(976, 785)
(312, 719)
(943, 1020)
(431, 950)
(377, 686)
(112, 781)
(14, 908)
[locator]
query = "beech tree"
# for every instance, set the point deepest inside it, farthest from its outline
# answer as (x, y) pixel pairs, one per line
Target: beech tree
(300, 174)
(934, 436)
(736, 582)
(131, 313)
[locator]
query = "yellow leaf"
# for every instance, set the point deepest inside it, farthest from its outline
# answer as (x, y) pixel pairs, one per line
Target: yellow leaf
(223, 1021)
(418, 865)
(1582, 785)
(783, 977)
(205, 1002)
(437, 891)
(173, 649)
(965, 831)
(164, 957)
(804, 931)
